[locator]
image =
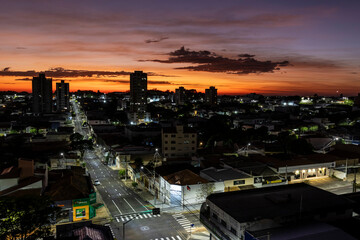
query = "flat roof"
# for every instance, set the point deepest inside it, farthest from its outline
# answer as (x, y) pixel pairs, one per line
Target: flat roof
(224, 174)
(277, 201)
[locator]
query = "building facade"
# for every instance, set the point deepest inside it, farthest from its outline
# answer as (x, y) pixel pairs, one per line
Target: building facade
(138, 91)
(62, 97)
(211, 96)
(178, 142)
(180, 96)
(42, 94)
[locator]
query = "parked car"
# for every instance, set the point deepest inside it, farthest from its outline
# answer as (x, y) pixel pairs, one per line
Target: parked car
(96, 182)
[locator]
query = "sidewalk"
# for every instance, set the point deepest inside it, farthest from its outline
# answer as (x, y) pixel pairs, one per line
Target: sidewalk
(103, 215)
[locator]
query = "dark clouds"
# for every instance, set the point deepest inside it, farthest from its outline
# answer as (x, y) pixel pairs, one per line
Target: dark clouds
(211, 62)
(65, 73)
(156, 40)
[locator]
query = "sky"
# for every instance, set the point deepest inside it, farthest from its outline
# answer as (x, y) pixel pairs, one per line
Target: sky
(268, 47)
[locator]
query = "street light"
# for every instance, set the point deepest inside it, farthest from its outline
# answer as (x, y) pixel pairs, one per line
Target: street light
(126, 223)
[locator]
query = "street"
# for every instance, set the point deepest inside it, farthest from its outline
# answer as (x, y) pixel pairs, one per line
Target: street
(126, 207)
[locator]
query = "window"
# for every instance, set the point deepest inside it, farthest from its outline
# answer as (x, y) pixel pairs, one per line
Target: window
(192, 141)
(166, 148)
(214, 215)
(186, 135)
(173, 148)
(173, 135)
(186, 142)
(173, 142)
(239, 182)
(192, 148)
(166, 135)
(166, 142)
(233, 231)
(223, 223)
(193, 135)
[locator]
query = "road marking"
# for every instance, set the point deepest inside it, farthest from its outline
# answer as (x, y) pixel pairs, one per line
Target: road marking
(115, 189)
(108, 195)
(116, 207)
(141, 204)
(141, 216)
(178, 237)
(117, 220)
(129, 205)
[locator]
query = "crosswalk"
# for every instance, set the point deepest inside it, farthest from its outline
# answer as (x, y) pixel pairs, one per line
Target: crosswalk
(177, 237)
(183, 221)
(135, 216)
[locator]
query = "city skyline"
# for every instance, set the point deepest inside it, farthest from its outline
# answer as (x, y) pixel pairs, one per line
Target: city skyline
(282, 48)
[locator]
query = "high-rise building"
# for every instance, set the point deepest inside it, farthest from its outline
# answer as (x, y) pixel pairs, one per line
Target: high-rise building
(180, 96)
(62, 97)
(42, 94)
(211, 96)
(138, 91)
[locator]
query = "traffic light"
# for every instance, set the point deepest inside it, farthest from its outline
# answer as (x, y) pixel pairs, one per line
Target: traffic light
(156, 211)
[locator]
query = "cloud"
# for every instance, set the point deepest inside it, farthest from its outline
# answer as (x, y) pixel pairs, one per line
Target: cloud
(211, 62)
(60, 72)
(156, 40)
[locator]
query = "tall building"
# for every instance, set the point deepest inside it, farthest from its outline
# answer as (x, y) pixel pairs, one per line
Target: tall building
(138, 91)
(211, 96)
(42, 94)
(180, 96)
(62, 97)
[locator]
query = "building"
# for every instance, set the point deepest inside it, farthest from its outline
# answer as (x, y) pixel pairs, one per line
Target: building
(62, 97)
(84, 230)
(42, 94)
(211, 96)
(180, 96)
(138, 91)
(178, 142)
(239, 214)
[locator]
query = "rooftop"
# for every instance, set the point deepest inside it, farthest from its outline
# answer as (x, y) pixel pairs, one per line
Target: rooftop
(184, 177)
(224, 174)
(277, 202)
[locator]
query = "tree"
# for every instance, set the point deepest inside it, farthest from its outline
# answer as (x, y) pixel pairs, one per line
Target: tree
(26, 217)
(122, 173)
(204, 191)
(78, 143)
(134, 184)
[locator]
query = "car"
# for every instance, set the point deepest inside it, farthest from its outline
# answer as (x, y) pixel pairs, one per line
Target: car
(96, 182)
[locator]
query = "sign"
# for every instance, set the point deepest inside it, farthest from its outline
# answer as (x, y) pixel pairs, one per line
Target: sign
(239, 182)
(188, 188)
(156, 211)
(92, 212)
(80, 213)
(92, 197)
(80, 202)
(257, 179)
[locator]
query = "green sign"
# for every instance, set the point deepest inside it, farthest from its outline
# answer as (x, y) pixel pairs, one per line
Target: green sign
(80, 202)
(92, 197)
(80, 212)
(92, 212)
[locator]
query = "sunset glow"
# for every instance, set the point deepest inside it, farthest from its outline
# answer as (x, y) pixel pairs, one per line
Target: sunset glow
(182, 44)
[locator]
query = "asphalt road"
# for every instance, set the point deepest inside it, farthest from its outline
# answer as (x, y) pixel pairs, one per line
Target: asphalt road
(125, 206)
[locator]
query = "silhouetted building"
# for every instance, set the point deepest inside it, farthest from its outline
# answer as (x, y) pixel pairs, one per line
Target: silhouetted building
(138, 91)
(62, 97)
(211, 96)
(180, 96)
(42, 94)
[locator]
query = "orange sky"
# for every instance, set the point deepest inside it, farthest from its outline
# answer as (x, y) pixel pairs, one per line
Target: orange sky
(318, 39)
